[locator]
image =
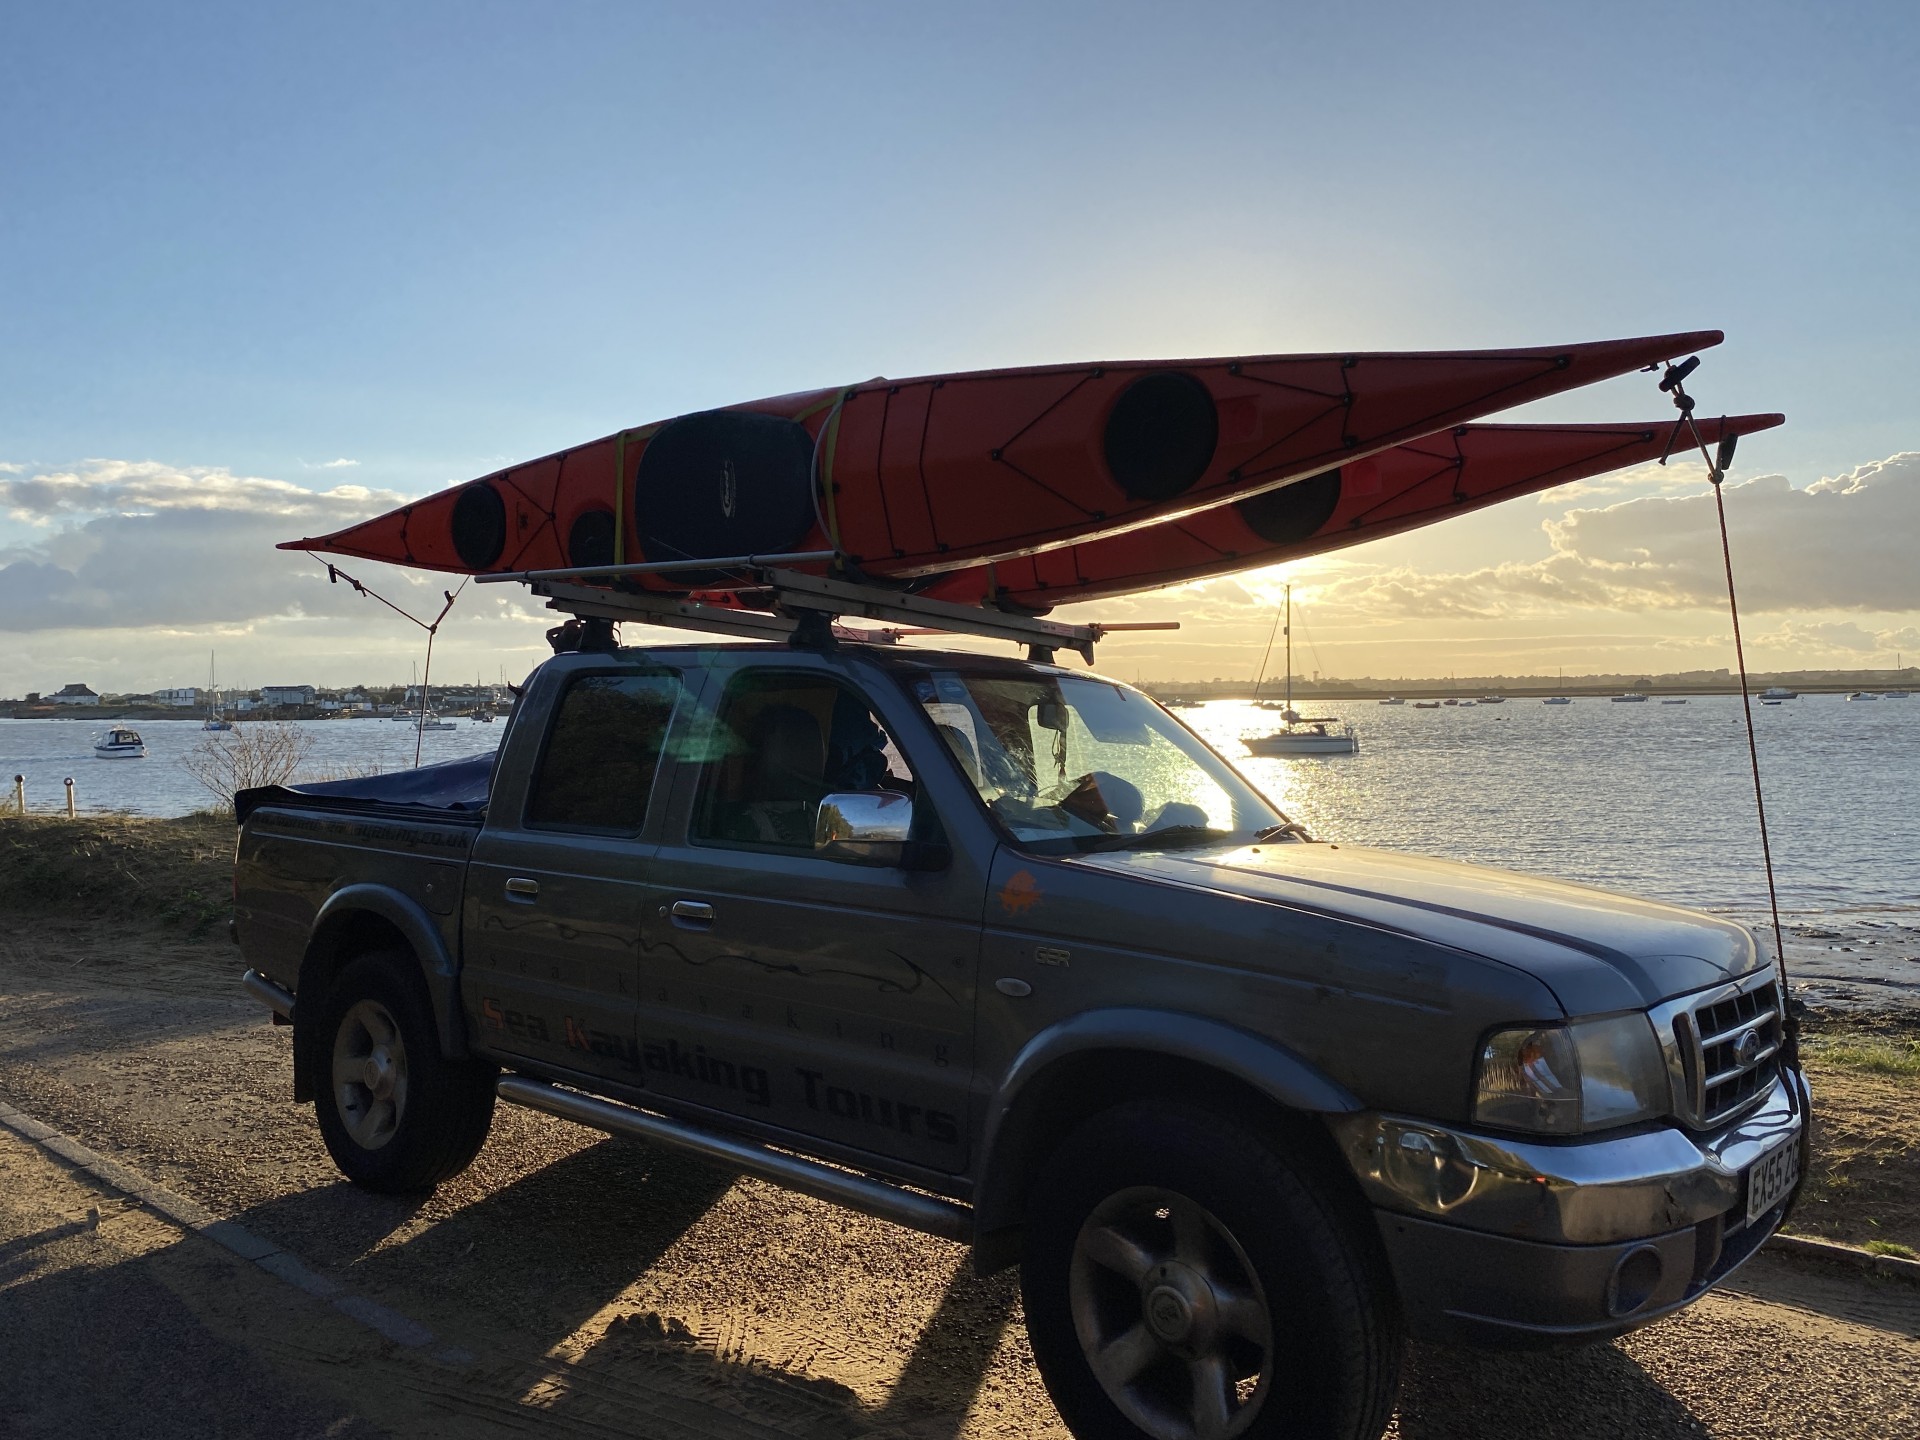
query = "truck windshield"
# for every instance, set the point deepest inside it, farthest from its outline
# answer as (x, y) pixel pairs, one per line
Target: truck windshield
(1070, 763)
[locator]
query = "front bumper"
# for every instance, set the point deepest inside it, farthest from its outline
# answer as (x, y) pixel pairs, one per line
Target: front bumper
(1495, 1238)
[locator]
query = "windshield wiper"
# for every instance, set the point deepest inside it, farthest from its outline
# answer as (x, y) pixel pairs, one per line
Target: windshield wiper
(1281, 832)
(1173, 836)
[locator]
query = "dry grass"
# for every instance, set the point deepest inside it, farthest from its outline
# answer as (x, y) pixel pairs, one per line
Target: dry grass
(1864, 1187)
(177, 873)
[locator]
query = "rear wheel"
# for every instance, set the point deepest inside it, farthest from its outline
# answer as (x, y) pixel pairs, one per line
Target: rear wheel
(395, 1113)
(1185, 1280)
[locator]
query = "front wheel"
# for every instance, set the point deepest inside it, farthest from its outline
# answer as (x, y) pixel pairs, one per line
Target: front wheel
(1184, 1279)
(397, 1115)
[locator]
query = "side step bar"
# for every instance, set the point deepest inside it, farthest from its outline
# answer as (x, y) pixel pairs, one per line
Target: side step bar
(856, 1192)
(276, 998)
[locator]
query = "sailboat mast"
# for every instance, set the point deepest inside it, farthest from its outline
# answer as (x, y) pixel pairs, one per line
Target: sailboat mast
(1289, 628)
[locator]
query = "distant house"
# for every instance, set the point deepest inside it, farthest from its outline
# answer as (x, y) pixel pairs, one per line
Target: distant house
(278, 695)
(184, 698)
(74, 695)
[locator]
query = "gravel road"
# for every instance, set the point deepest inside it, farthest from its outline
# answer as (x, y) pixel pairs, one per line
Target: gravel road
(583, 1286)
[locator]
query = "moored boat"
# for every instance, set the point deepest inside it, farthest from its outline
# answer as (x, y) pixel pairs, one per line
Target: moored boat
(1302, 735)
(119, 743)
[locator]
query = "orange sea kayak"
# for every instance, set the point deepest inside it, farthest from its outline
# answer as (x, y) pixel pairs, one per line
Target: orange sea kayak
(910, 478)
(1465, 468)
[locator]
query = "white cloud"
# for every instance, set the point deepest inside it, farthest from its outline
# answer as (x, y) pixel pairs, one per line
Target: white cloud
(141, 545)
(100, 487)
(1841, 543)
(341, 464)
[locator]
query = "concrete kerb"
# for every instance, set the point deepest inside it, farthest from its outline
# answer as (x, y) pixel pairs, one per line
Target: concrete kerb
(236, 1239)
(1831, 1252)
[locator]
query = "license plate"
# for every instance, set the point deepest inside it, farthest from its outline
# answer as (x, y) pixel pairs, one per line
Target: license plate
(1771, 1178)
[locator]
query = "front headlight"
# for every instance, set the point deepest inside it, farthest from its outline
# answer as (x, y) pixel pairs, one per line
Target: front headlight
(1568, 1079)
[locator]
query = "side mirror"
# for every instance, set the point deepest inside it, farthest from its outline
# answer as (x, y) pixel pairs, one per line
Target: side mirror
(865, 827)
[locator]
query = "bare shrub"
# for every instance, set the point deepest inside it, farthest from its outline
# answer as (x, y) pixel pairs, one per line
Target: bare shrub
(249, 755)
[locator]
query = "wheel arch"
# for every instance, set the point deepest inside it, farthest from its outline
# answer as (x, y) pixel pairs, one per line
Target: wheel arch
(1102, 1058)
(358, 920)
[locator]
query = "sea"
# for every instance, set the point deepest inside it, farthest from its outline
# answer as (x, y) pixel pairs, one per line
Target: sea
(1651, 799)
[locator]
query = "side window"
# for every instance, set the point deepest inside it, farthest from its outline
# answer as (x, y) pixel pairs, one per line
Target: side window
(781, 743)
(602, 752)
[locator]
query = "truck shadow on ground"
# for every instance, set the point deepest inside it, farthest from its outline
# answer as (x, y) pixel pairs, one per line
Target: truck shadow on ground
(1593, 1394)
(514, 1275)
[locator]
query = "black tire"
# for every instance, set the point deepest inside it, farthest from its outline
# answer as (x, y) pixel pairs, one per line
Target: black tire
(1168, 1240)
(435, 1112)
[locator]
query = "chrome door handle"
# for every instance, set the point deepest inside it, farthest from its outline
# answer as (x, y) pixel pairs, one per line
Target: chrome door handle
(520, 888)
(692, 912)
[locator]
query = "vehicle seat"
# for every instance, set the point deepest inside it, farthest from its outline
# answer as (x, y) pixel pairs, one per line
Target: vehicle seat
(1179, 812)
(962, 748)
(1123, 800)
(857, 748)
(784, 780)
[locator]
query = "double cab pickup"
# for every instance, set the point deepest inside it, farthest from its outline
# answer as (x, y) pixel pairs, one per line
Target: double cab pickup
(1006, 952)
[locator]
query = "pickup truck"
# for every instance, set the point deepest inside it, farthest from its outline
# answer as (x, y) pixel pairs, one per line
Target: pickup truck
(1006, 952)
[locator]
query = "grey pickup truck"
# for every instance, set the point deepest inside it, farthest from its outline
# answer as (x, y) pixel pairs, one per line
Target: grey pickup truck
(1007, 953)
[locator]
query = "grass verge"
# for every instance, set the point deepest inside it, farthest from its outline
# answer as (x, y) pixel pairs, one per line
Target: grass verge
(176, 873)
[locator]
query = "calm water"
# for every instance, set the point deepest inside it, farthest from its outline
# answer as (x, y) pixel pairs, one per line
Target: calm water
(47, 751)
(1651, 799)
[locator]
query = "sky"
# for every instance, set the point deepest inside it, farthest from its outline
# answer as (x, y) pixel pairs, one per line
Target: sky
(265, 270)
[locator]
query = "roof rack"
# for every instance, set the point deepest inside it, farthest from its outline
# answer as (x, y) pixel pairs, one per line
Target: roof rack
(798, 608)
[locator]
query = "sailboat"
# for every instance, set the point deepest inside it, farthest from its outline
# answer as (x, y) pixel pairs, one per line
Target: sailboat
(1559, 699)
(1303, 735)
(1898, 664)
(216, 713)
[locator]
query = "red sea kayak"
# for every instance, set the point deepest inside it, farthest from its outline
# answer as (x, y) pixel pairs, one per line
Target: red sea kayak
(1465, 468)
(909, 478)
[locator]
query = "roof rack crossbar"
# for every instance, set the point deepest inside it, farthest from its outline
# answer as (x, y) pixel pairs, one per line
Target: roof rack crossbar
(791, 595)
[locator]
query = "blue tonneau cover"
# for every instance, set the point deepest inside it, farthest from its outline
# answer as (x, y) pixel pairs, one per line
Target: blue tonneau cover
(454, 785)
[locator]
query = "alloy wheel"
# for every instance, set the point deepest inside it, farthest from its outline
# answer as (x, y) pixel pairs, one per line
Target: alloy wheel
(370, 1074)
(1171, 1317)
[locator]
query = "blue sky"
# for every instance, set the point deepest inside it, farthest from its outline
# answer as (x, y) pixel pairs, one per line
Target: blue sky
(247, 241)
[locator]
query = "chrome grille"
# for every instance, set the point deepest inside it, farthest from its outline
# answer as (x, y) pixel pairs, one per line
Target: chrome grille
(1722, 1047)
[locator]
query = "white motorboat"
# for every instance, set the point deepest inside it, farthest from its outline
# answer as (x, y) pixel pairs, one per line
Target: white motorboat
(1558, 700)
(1864, 695)
(1303, 735)
(1779, 692)
(1895, 694)
(408, 716)
(1393, 700)
(119, 743)
(1632, 697)
(1493, 699)
(430, 721)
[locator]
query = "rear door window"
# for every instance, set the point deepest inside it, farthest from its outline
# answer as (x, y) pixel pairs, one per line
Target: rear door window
(602, 753)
